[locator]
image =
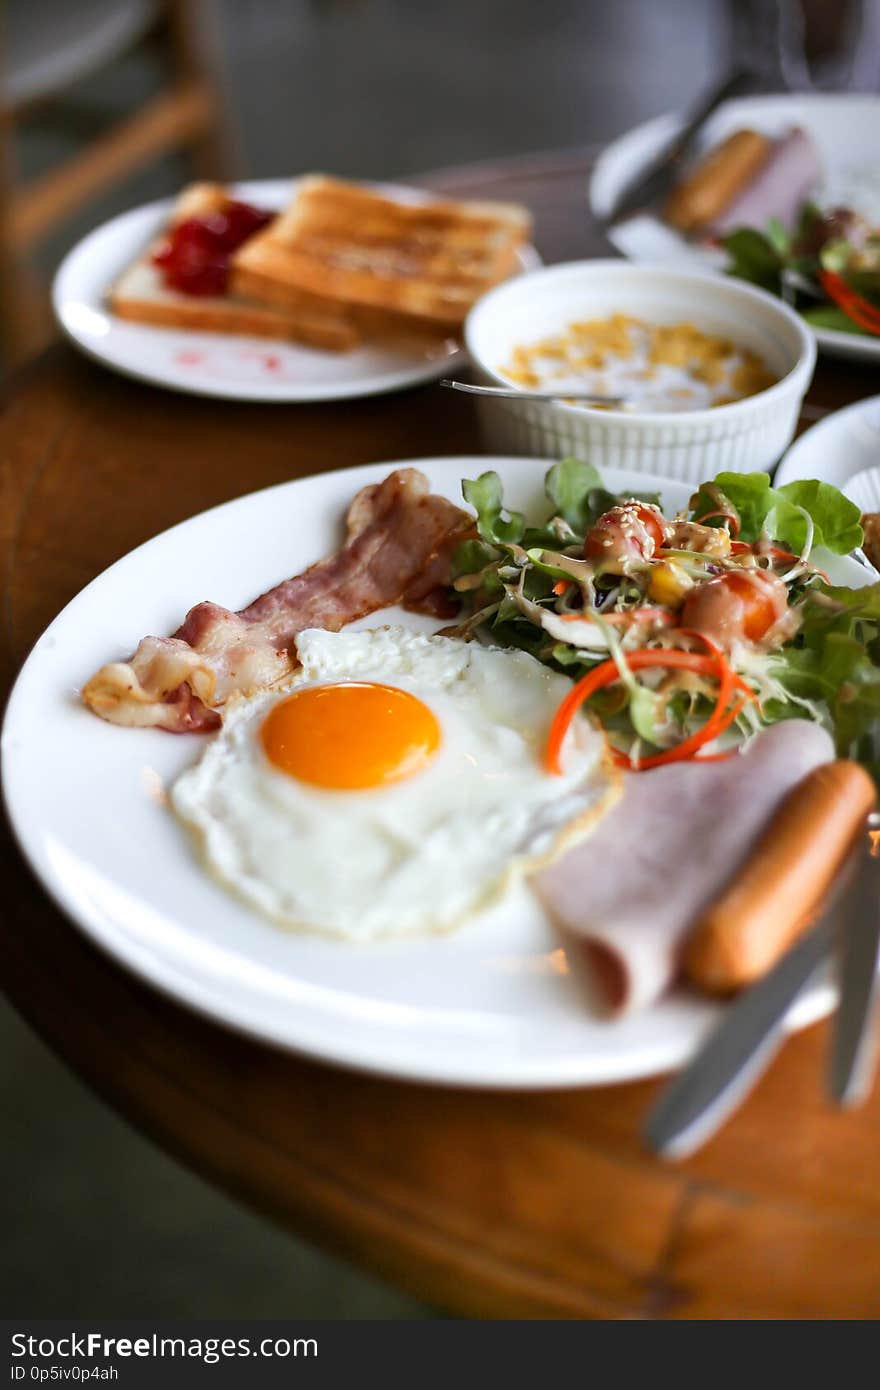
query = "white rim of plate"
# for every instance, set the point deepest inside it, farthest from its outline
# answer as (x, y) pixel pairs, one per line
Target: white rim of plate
(835, 423)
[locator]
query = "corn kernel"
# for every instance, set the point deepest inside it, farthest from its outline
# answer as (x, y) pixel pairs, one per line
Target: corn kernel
(669, 583)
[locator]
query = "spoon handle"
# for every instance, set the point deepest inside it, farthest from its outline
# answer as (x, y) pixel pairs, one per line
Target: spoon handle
(514, 394)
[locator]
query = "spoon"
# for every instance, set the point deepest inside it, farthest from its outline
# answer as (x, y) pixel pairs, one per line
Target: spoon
(513, 393)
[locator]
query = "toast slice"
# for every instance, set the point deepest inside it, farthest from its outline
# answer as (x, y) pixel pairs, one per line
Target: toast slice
(392, 263)
(141, 296)
(368, 324)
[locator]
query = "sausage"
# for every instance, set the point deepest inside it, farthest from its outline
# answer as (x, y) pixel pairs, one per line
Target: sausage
(782, 185)
(717, 180)
(777, 892)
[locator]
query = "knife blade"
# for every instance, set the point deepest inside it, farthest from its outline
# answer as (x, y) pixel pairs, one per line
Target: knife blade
(709, 1088)
(854, 1042)
(659, 174)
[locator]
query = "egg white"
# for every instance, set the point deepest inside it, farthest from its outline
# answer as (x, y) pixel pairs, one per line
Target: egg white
(414, 856)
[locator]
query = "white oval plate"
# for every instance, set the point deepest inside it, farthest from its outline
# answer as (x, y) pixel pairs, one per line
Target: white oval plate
(228, 365)
(844, 128)
(489, 1004)
(837, 450)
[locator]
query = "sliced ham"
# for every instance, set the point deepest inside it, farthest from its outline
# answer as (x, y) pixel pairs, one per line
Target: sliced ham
(626, 899)
(398, 549)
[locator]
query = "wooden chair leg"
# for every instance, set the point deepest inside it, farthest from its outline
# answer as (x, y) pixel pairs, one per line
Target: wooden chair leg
(190, 114)
(192, 56)
(174, 119)
(25, 320)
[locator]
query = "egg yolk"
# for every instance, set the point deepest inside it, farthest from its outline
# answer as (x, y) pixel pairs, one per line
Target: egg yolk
(350, 736)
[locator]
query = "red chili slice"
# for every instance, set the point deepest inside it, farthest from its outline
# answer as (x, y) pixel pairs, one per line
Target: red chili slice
(853, 304)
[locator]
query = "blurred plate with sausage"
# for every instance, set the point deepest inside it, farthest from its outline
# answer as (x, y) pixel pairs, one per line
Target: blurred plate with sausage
(783, 190)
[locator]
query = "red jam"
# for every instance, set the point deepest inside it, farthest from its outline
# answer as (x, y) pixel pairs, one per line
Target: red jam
(194, 257)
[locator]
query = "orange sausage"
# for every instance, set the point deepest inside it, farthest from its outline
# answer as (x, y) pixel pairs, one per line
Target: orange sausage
(716, 181)
(779, 889)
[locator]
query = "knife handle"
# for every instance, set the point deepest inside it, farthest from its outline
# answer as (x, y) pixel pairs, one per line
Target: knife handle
(776, 893)
(854, 1042)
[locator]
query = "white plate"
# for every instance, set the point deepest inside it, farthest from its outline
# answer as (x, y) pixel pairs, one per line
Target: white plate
(486, 1005)
(844, 129)
(837, 449)
(224, 364)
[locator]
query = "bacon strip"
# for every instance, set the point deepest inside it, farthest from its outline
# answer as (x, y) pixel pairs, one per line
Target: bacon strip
(398, 550)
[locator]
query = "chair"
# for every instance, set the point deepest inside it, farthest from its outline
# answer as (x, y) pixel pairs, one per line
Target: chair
(51, 46)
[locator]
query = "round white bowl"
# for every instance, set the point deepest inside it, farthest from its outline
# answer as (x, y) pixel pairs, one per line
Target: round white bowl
(690, 445)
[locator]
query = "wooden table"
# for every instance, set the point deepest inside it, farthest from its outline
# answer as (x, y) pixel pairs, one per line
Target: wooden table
(483, 1204)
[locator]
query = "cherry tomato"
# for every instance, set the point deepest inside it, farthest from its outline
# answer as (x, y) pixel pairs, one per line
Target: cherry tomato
(633, 531)
(735, 605)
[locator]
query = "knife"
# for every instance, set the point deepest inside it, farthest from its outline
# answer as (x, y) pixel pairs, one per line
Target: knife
(660, 173)
(704, 1093)
(854, 1043)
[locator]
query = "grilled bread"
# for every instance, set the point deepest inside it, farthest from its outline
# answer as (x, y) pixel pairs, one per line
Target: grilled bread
(141, 295)
(392, 263)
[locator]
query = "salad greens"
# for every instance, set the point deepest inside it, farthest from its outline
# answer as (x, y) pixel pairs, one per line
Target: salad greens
(835, 662)
(828, 265)
(761, 257)
(785, 512)
(608, 588)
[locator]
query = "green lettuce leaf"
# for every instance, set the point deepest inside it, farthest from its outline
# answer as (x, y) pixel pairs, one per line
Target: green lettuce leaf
(836, 520)
(484, 495)
(750, 494)
(555, 571)
(568, 486)
(830, 316)
(762, 508)
(471, 556)
(475, 557)
(836, 659)
(754, 257)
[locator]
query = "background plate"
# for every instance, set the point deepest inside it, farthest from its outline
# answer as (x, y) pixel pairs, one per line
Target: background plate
(490, 1004)
(843, 127)
(838, 448)
(225, 364)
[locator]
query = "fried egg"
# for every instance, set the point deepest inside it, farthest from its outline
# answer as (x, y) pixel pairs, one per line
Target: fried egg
(395, 785)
